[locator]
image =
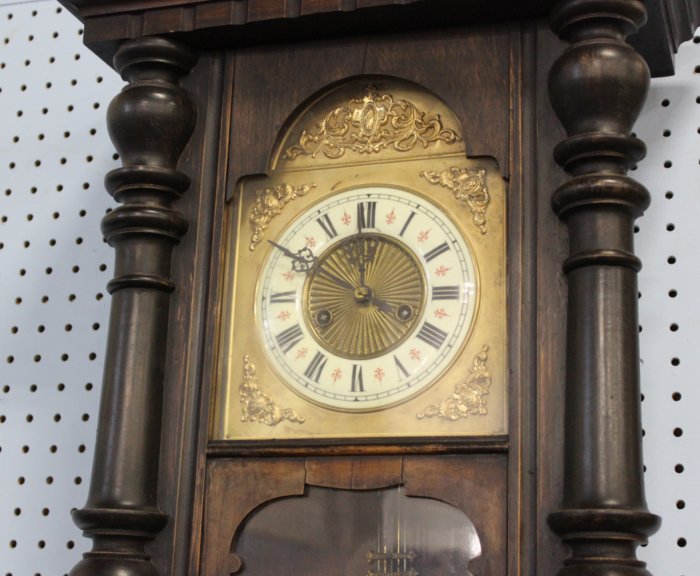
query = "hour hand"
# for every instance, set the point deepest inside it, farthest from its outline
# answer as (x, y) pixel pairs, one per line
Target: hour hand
(302, 260)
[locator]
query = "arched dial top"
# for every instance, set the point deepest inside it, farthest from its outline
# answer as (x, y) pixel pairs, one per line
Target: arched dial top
(366, 298)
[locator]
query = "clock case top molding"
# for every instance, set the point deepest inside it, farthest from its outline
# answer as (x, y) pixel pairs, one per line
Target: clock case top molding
(231, 97)
(210, 25)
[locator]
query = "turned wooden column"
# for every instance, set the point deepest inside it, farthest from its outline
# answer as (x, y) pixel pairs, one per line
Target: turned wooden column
(150, 122)
(597, 88)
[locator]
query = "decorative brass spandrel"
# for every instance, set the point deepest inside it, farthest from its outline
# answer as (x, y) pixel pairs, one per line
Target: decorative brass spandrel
(370, 124)
(468, 186)
(269, 203)
(468, 397)
(257, 405)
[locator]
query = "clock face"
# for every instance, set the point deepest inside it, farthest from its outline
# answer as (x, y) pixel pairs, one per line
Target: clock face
(366, 298)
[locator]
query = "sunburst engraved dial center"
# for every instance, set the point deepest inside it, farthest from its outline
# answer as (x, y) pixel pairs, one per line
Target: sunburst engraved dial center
(365, 296)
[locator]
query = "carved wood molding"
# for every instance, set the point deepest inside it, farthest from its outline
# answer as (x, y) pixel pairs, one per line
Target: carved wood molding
(150, 122)
(597, 88)
(226, 23)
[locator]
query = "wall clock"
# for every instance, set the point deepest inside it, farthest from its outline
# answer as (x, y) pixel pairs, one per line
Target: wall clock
(366, 277)
(249, 320)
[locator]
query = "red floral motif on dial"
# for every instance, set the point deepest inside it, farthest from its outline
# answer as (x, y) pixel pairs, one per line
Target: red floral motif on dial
(302, 352)
(423, 235)
(284, 315)
(440, 313)
(391, 216)
(336, 375)
(442, 270)
(288, 276)
(379, 374)
(414, 354)
(346, 218)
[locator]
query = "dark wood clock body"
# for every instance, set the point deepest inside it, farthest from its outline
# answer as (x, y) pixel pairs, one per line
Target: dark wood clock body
(205, 104)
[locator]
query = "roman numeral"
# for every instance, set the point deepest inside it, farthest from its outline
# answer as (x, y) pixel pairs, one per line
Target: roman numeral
(283, 297)
(365, 214)
(289, 338)
(445, 292)
(357, 384)
(403, 373)
(315, 367)
(325, 223)
(435, 252)
(431, 335)
(408, 221)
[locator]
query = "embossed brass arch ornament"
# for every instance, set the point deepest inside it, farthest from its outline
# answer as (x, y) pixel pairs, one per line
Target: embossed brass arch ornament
(381, 134)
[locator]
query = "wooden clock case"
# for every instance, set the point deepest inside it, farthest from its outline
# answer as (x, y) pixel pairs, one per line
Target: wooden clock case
(210, 87)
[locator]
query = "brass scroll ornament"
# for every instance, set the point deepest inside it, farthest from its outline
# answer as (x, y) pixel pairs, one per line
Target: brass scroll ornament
(258, 406)
(468, 397)
(369, 125)
(468, 187)
(269, 203)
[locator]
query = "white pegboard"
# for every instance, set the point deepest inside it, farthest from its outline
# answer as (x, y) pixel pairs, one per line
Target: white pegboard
(54, 152)
(668, 241)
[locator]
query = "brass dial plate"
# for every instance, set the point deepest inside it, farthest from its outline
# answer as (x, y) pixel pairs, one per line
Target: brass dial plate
(309, 348)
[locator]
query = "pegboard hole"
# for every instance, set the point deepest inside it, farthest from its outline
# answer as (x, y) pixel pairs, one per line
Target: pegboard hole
(672, 293)
(671, 260)
(678, 432)
(679, 468)
(60, 386)
(680, 504)
(676, 396)
(673, 327)
(681, 542)
(675, 361)
(668, 164)
(665, 102)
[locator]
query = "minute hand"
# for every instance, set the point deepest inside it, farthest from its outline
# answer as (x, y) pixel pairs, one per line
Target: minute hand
(302, 260)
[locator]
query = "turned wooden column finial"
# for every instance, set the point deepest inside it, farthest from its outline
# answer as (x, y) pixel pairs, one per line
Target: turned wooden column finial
(597, 89)
(150, 123)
